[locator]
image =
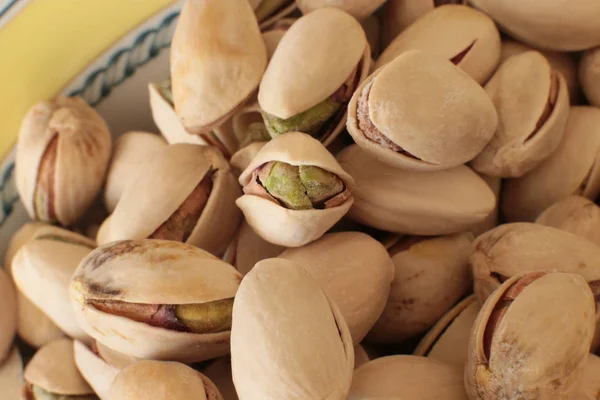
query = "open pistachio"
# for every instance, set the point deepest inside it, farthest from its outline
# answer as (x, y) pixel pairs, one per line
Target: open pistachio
(97, 372)
(295, 190)
(416, 203)
(420, 112)
(349, 262)
(523, 346)
(360, 9)
(589, 75)
(589, 385)
(561, 28)
(571, 169)
(431, 275)
(156, 299)
(185, 193)
(52, 375)
(248, 248)
(466, 37)
(316, 67)
(62, 155)
(269, 12)
(11, 376)
(8, 314)
(219, 372)
(288, 339)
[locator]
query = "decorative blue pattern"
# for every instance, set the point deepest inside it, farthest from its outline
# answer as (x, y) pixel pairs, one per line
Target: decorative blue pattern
(7, 7)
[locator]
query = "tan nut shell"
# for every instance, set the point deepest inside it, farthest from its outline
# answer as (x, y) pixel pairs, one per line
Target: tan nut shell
(278, 18)
(407, 377)
(431, 276)
(520, 89)
(448, 31)
(491, 221)
(155, 195)
(589, 75)
(97, 372)
(417, 203)
(572, 169)
(219, 372)
(281, 226)
(302, 347)
(11, 376)
(547, 24)
(217, 60)
(361, 357)
(589, 384)
(249, 248)
(83, 152)
(114, 358)
(539, 347)
(359, 9)
(349, 262)
(427, 106)
(152, 272)
(8, 314)
(244, 156)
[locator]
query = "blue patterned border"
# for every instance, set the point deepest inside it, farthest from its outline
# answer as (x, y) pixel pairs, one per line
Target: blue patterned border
(7, 7)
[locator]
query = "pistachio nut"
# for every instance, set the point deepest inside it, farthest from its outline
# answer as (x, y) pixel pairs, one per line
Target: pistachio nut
(112, 357)
(407, 377)
(218, 57)
(431, 275)
(448, 340)
(196, 208)
(316, 67)
(361, 357)
(547, 25)
(589, 75)
(11, 376)
(156, 299)
(219, 372)
(349, 262)
(416, 203)
(395, 116)
(372, 27)
(248, 126)
(8, 314)
(294, 190)
(288, 339)
(574, 214)
(466, 37)
(491, 221)
(359, 9)
(572, 169)
(97, 372)
(523, 347)
(52, 375)
(589, 385)
(249, 248)
(130, 151)
(61, 159)
(269, 12)
(242, 158)
(532, 103)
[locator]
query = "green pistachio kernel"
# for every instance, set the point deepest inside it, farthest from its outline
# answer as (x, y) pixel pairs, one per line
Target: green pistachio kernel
(320, 184)
(212, 317)
(41, 394)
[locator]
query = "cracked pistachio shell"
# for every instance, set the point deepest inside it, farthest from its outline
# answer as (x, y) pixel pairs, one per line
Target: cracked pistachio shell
(431, 275)
(548, 24)
(282, 226)
(249, 248)
(589, 384)
(448, 340)
(572, 169)
(70, 141)
(528, 342)
(154, 197)
(416, 203)
(219, 372)
(217, 60)
(130, 151)
(458, 33)
(151, 272)
(359, 9)
(532, 103)
(288, 338)
(407, 377)
(574, 214)
(160, 380)
(349, 262)
(11, 376)
(589, 75)
(8, 314)
(97, 373)
(432, 110)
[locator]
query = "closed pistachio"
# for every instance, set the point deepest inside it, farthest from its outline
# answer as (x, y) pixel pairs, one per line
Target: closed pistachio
(431, 275)
(248, 248)
(491, 221)
(589, 385)
(8, 314)
(11, 376)
(420, 112)
(219, 372)
(589, 75)
(571, 169)
(416, 203)
(523, 345)
(294, 190)
(270, 12)
(547, 24)
(185, 193)
(62, 155)
(156, 299)
(97, 372)
(532, 103)
(288, 339)
(360, 9)
(466, 37)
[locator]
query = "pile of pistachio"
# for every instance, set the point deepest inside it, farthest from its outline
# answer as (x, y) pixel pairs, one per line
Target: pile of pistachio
(379, 200)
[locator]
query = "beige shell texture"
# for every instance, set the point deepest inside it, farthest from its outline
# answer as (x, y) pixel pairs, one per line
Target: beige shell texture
(418, 203)
(453, 32)
(589, 385)
(251, 248)
(302, 347)
(244, 156)
(589, 75)
(280, 18)
(8, 314)
(359, 9)
(372, 27)
(349, 262)
(114, 358)
(218, 53)
(11, 376)
(571, 169)
(399, 97)
(361, 357)
(96, 372)
(491, 221)
(219, 372)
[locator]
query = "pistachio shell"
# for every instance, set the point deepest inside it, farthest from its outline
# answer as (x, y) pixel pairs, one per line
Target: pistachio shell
(491, 221)
(11, 376)
(216, 53)
(360, 356)
(589, 75)
(418, 203)
(301, 346)
(360, 9)
(114, 358)
(349, 262)
(242, 158)
(244, 125)
(8, 314)
(571, 169)
(589, 385)
(220, 373)
(96, 372)
(447, 127)
(458, 33)
(372, 27)
(251, 248)
(286, 8)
